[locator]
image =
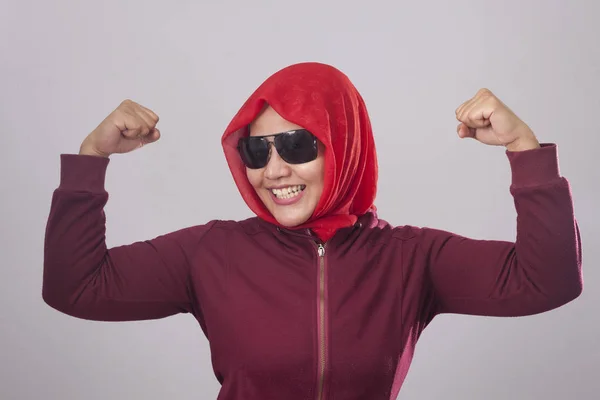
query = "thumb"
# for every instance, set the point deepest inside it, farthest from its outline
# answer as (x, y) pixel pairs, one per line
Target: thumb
(151, 137)
(464, 131)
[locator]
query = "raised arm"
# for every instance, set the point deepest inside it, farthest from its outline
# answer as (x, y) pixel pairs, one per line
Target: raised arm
(541, 270)
(82, 278)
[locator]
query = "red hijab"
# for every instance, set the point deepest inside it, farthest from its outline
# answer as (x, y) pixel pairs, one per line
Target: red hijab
(321, 99)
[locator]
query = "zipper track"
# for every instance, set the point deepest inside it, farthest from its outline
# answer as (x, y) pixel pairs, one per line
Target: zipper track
(321, 321)
(321, 311)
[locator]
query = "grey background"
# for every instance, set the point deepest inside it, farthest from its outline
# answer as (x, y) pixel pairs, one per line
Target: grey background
(66, 64)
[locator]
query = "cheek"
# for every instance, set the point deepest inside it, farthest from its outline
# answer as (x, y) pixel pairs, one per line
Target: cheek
(255, 177)
(312, 172)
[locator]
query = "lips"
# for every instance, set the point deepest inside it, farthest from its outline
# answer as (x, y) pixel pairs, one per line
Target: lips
(288, 194)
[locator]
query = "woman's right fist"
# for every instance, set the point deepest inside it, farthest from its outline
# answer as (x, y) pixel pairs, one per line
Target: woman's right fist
(129, 127)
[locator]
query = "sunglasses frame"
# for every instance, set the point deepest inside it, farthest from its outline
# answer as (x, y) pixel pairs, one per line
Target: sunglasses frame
(272, 144)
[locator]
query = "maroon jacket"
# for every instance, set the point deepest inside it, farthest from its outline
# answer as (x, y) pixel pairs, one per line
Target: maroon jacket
(289, 318)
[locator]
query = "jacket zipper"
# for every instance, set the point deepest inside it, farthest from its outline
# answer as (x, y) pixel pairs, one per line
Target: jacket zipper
(321, 322)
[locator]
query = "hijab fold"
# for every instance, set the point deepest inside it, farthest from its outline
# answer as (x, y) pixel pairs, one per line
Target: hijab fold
(321, 99)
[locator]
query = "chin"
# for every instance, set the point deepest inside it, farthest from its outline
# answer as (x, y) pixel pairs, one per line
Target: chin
(290, 221)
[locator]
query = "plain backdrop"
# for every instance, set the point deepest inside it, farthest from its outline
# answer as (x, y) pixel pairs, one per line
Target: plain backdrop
(65, 65)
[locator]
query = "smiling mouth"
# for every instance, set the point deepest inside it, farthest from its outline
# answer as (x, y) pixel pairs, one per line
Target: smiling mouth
(288, 192)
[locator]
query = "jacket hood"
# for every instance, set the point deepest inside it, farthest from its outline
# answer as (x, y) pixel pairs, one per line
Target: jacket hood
(324, 101)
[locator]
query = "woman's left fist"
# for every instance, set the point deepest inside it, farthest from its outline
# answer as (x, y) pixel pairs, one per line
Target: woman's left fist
(486, 119)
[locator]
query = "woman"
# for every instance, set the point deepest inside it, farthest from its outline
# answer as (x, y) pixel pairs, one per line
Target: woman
(316, 297)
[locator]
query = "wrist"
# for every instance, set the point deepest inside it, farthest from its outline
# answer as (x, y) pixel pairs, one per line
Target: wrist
(86, 150)
(523, 144)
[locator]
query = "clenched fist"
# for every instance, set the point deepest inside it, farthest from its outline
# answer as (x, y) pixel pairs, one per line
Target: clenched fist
(129, 127)
(486, 119)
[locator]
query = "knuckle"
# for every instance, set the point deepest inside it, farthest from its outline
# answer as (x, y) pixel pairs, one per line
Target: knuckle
(484, 92)
(153, 116)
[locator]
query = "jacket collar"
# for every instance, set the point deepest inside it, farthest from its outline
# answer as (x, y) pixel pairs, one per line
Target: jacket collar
(367, 220)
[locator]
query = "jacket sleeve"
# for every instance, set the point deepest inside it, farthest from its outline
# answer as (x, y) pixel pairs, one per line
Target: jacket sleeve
(539, 272)
(82, 278)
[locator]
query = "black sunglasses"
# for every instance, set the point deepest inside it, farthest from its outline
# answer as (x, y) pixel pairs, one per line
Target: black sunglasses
(297, 146)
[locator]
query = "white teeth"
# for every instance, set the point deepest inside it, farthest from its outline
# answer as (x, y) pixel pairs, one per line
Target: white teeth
(288, 192)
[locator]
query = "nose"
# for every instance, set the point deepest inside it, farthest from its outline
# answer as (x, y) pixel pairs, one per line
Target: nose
(276, 168)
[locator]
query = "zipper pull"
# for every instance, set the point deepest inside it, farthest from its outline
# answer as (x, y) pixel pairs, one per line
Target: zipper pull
(321, 250)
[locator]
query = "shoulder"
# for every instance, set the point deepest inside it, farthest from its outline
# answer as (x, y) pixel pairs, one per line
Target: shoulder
(220, 227)
(379, 229)
(426, 239)
(216, 236)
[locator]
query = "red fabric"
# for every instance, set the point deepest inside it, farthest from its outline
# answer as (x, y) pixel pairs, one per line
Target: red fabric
(322, 99)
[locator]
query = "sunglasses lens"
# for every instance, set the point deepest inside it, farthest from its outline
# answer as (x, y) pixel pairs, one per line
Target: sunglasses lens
(294, 147)
(254, 152)
(297, 147)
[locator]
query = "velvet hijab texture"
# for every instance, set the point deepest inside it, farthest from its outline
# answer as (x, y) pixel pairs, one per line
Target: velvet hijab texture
(321, 99)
